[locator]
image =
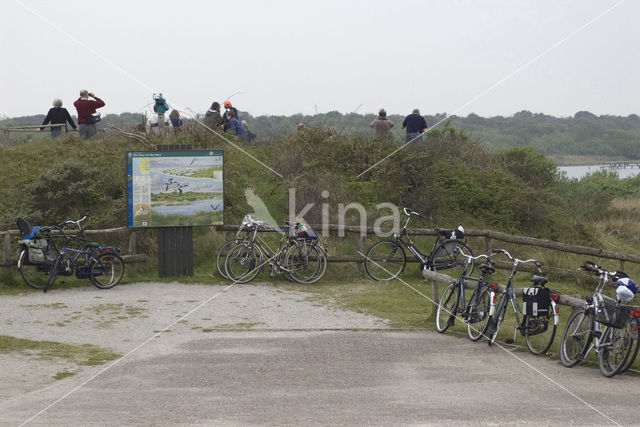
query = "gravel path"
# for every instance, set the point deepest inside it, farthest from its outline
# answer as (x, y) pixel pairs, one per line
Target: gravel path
(122, 318)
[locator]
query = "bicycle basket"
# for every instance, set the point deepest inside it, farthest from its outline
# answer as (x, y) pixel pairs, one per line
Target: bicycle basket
(611, 314)
(535, 301)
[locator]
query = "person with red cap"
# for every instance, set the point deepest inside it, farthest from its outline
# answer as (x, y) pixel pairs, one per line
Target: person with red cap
(225, 121)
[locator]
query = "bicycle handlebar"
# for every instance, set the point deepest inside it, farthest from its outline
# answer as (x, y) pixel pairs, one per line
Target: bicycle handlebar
(410, 212)
(594, 268)
(516, 260)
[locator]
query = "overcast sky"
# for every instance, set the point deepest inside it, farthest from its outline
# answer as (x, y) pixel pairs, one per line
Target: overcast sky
(287, 57)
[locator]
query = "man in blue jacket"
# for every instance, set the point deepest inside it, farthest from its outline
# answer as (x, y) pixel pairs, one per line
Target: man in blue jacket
(416, 125)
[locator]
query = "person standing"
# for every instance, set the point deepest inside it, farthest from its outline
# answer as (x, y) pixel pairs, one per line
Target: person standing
(228, 107)
(415, 124)
(381, 125)
(57, 115)
(212, 117)
(176, 121)
(87, 107)
(250, 135)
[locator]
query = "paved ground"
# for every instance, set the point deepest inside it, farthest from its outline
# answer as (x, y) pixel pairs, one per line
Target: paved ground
(299, 363)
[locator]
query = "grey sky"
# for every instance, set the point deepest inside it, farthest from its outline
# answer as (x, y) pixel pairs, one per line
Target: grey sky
(288, 57)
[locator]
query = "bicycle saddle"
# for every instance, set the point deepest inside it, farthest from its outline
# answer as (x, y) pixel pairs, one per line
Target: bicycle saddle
(487, 268)
(450, 233)
(539, 280)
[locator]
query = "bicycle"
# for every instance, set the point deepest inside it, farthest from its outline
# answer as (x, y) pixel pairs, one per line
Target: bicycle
(102, 265)
(476, 313)
(297, 257)
(36, 253)
(583, 331)
(385, 260)
(246, 228)
(540, 310)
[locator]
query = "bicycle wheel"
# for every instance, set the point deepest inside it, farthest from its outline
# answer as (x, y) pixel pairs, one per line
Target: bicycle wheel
(636, 345)
(106, 270)
(576, 337)
(34, 275)
(385, 260)
(305, 263)
(539, 332)
(498, 318)
(446, 307)
(449, 254)
(222, 255)
(615, 347)
(53, 273)
(243, 262)
(478, 317)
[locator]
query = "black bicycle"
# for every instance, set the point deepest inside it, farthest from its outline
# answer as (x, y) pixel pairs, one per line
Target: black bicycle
(102, 265)
(386, 259)
(476, 313)
(540, 310)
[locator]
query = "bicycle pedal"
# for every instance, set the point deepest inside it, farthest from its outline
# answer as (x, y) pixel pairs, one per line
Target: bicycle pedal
(580, 357)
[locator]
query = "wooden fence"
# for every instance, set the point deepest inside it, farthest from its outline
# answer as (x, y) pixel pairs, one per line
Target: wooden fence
(489, 236)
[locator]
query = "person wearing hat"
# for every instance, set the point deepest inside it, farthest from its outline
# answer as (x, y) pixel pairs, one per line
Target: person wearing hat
(381, 125)
(225, 121)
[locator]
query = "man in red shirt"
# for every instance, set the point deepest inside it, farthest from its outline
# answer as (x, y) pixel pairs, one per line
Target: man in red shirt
(86, 107)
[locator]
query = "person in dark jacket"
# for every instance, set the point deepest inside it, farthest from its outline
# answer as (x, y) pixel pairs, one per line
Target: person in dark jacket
(176, 121)
(212, 117)
(87, 107)
(57, 115)
(228, 107)
(234, 124)
(416, 125)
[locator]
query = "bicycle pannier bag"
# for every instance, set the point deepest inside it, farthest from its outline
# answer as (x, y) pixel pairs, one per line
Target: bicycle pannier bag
(535, 301)
(36, 250)
(612, 315)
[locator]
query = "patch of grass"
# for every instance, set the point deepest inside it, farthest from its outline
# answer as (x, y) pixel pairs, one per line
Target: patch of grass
(85, 354)
(63, 375)
(239, 325)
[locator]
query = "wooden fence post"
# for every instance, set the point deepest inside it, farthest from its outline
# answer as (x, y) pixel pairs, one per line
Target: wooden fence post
(359, 245)
(435, 297)
(487, 245)
(6, 248)
(622, 264)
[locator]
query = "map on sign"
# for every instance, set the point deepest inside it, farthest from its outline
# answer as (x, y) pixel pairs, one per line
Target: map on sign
(175, 188)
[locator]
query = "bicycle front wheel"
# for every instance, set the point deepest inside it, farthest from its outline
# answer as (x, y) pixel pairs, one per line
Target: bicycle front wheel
(106, 270)
(34, 275)
(478, 317)
(385, 260)
(243, 262)
(576, 338)
(305, 262)
(446, 307)
(615, 347)
(222, 255)
(636, 344)
(449, 254)
(539, 332)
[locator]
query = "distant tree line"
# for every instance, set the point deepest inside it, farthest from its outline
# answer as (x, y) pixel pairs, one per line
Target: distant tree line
(584, 134)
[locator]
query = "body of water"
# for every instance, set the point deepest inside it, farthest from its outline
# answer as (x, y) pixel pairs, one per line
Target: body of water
(577, 172)
(190, 209)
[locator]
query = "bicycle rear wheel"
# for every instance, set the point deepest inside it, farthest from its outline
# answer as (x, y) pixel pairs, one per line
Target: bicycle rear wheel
(478, 316)
(34, 275)
(305, 262)
(539, 332)
(616, 345)
(449, 255)
(576, 337)
(243, 262)
(385, 260)
(106, 270)
(446, 307)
